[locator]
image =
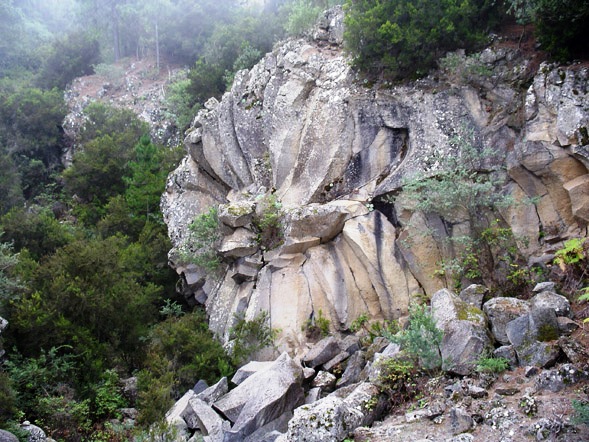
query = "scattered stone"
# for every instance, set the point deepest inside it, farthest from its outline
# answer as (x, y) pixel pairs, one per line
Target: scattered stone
(262, 397)
(333, 418)
(36, 434)
(547, 286)
(557, 379)
(180, 408)
(325, 381)
(341, 357)
(554, 301)
(463, 344)
(313, 395)
(323, 351)
(474, 295)
(6, 436)
(200, 386)
(460, 421)
(350, 344)
(574, 351)
(308, 373)
(477, 392)
(507, 391)
(566, 326)
(354, 368)
(531, 371)
(214, 392)
(207, 420)
(248, 369)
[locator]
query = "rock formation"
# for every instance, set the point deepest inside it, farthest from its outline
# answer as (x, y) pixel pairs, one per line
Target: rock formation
(302, 138)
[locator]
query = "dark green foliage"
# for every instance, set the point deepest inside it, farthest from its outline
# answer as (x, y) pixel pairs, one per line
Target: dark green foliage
(268, 221)
(11, 194)
(10, 284)
(181, 104)
(406, 37)
(30, 130)
(561, 27)
(203, 238)
(102, 119)
(181, 351)
(7, 399)
(70, 57)
(250, 336)
(89, 294)
(37, 230)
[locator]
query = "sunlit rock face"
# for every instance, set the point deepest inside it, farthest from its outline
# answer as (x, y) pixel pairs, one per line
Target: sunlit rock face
(302, 135)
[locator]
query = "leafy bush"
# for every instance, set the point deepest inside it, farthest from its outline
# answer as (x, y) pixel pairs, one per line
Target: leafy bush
(571, 264)
(268, 221)
(250, 336)
(181, 350)
(203, 238)
(71, 57)
(406, 37)
(397, 378)
(302, 15)
(421, 338)
(181, 104)
(317, 327)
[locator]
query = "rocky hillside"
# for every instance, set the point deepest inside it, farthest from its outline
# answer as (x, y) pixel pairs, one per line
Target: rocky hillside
(308, 165)
(130, 84)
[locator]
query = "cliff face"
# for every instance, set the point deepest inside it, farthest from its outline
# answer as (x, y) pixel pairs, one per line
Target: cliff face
(302, 127)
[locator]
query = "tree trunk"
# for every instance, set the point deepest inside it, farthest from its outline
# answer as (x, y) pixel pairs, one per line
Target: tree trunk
(157, 46)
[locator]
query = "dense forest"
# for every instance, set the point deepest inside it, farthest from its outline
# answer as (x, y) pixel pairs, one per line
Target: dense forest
(84, 281)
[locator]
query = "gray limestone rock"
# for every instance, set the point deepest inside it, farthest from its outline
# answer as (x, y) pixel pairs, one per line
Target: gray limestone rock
(333, 418)
(462, 346)
(6, 436)
(325, 381)
(500, 312)
(554, 301)
(459, 421)
(214, 392)
(207, 421)
(323, 351)
(354, 368)
(532, 337)
(474, 295)
(262, 397)
(248, 369)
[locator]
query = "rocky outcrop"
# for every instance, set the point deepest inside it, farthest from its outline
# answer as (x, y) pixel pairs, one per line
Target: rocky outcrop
(342, 399)
(327, 150)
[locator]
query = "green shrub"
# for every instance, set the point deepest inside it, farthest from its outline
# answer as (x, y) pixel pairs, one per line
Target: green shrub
(317, 327)
(581, 412)
(397, 378)
(302, 15)
(561, 27)
(571, 264)
(268, 221)
(203, 238)
(487, 364)
(406, 37)
(421, 339)
(250, 336)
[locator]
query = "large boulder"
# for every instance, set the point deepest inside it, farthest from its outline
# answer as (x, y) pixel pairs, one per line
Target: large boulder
(333, 418)
(6, 436)
(554, 301)
(446, 308)
(262, 397)
(534, 336)
(463, 344)
(501, 311)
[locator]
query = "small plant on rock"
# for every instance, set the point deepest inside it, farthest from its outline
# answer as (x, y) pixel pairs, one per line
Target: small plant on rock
(397, 379)
(421, 339)
(571, 262)
(487, 364)
(203, 237)
(268, 222)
